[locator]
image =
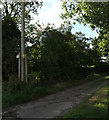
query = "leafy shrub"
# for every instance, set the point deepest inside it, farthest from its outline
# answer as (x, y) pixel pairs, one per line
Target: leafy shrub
(34, 78)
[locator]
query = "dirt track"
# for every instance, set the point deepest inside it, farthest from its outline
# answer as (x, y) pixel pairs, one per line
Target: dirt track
(52, 106)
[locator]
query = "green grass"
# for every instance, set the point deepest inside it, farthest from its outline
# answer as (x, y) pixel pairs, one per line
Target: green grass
(21, 96)
(20, 93)
(93, 107)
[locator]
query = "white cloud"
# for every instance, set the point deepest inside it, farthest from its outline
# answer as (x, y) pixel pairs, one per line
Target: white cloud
(49, 13)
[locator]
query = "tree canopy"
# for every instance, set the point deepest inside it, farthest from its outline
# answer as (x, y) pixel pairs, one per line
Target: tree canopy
(13, 9)
(93, 13)
(57, 54)
(60, 56)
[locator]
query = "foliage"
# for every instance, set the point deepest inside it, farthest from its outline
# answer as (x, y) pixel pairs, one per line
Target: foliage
(50, 49)
(58, 56)
(94, 13)
(34, 78)
(14, 10)
(10, 45)
(11, 20)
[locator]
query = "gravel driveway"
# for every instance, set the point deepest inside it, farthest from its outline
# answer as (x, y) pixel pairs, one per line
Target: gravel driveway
(52, 106)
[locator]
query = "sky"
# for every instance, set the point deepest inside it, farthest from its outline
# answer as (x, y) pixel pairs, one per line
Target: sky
(50, 13)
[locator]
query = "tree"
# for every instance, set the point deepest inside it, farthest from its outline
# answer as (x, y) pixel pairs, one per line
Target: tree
(10, 46)
(60, 56)
(94, 13)
(14, 9)
(11, 12)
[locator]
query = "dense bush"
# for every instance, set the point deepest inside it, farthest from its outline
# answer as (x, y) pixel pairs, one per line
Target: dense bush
(61, 57)
(102, 67)
(10, 46)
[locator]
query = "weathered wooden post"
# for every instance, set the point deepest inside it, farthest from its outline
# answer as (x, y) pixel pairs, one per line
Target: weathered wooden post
(26, 69)
(22, 42)
(19, 65)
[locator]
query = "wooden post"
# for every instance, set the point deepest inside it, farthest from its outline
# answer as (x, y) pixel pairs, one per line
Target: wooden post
(19, 75)
(26, 69)
(22, 42)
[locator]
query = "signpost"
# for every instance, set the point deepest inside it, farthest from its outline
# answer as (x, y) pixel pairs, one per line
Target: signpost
(26, 59)
(22, 57)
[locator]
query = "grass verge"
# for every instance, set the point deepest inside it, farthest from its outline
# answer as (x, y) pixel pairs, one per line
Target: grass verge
(20, 93)
(24, 95)
(96, 106)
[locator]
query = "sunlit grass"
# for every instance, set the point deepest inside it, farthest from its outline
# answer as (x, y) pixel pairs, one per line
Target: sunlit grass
(106, 90)
(100, 105)
(107, 77)
(93, 99)
(94, 107)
